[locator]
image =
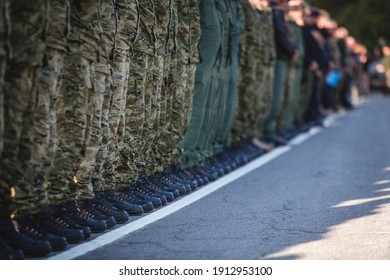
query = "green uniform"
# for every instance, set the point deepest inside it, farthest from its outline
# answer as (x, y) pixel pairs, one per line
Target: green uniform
(229, 87)
(286, 118)
(209, 48)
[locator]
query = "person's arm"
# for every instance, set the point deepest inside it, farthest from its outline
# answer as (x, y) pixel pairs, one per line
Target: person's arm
(282, 34)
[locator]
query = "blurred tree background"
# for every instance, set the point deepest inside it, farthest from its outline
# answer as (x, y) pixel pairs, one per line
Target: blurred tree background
(366, 20)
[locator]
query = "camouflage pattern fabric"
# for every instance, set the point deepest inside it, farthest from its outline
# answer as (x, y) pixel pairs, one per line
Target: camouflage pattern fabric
(75, 95)
(4, 55)
(141, 107)
(166, 43)
(257, 58)
(187, 57)
(28, 22)
(267, 69)
(94, 149)
(104, 177)
(5, 194)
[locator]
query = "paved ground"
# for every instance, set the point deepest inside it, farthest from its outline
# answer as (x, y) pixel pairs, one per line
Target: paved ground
(327, 198)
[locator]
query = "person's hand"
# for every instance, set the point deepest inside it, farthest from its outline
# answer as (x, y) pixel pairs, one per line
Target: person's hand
(295, 56)
(313, 66)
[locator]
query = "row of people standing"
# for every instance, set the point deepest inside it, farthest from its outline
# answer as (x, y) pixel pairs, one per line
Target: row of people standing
(114, 108)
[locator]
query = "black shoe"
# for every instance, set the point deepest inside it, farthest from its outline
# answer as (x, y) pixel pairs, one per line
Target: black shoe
(176, 176)
(147, 188)
(32, 228)
(8, 253)
(120, 203)
(59, 227)
(88, 207)
(186, 176)
(31, 248)
(61, 213)
(146, 205)
(83, 218)
(222, 167)
(106, 208)
(194, 175)
(210, 175)
(168, 178)
(139, 193)
(162, 190)
(277, 141)
(168, 185)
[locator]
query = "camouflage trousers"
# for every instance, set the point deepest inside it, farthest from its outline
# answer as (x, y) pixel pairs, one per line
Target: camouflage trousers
(143, 95)
(97, 131)
(179, 86)
(5, 195)
(256, 72)
(77, 104)
(24, 149)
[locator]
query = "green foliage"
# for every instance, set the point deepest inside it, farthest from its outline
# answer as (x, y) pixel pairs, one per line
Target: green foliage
(367, 20)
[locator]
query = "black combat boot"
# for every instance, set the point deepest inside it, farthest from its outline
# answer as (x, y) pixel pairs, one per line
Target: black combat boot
(30, 226)
(59, 227)
(88, 207)
(122, 203)
(106, 208)
(83, 218)
(13, 238)
(8, 253)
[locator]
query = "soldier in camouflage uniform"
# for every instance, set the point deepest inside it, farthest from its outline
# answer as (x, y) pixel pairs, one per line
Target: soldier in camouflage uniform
(4, 52)
(95, 149)
(256, 74)
(104, 177)
(187, 58)
(142, 100)
(166, 44)
(183, 56)
(267, 67)
(23, 152)
(5, 195)
(77, 91)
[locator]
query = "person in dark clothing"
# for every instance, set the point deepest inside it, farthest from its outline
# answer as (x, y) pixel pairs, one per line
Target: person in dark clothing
(286, 51)
(316, 60)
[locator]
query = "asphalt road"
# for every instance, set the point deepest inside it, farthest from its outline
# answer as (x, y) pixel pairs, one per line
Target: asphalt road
(327, 198)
